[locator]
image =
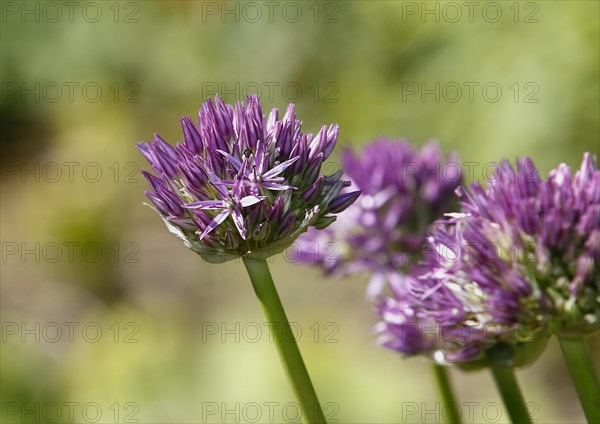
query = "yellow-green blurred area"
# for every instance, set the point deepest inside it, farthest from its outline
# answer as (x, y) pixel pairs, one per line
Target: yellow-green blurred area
(106, 317)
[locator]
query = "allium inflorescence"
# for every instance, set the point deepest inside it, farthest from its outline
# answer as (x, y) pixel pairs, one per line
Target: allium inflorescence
(517, 264)
(242, 184)
(403, 191)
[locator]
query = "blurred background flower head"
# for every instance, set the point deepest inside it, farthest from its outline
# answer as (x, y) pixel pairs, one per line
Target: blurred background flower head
(404, 189)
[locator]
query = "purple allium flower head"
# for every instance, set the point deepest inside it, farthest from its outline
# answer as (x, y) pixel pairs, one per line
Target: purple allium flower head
(241, 183)
(519, 262)
(403, 191)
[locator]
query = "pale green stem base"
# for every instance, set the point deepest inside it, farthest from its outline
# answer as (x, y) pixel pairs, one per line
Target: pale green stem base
(583, 374)
(289, 354)
(509, 389)
(450, 406)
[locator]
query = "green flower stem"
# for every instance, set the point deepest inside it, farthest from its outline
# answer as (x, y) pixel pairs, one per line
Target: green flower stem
(506, 382)
(582, 371)
(289, 354)
(446, 394)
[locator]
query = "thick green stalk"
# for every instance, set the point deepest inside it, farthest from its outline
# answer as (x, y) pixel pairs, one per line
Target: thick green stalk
(506, 382)
(446, 394)
(289, 354)
(582, 371)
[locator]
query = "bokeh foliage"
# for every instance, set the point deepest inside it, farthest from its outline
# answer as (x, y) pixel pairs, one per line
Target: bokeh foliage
(355, 72)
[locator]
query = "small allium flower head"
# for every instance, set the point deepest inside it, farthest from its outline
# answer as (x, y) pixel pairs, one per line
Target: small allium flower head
(519, 262)
(242, 184)
(403, 191)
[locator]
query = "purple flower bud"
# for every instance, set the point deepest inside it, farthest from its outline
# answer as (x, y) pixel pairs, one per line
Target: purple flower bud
(313, 167)
(231, 240)
(287, 226)
(276, 210)
(342, 202)
(161, 206)
(153, 181)
(171, 200)
(332, 135)
(312, 193)
(191, 135)
(163, 162)
(300, 150)
(262, 231)
(318, 143)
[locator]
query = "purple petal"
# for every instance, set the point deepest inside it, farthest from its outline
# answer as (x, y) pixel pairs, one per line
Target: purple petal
(273, 118)
(277, 187)
(251, 200)
(165, 147)
(238, 220)
(145, 149)
(206, 204)
(217, 220)
(233, 160)
(279, 168)
(261, 159)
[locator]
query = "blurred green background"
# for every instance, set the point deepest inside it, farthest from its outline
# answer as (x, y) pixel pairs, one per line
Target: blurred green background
(106, 317)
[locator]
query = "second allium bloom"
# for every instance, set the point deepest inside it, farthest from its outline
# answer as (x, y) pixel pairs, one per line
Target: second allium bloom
(518, 263)
(241, 183)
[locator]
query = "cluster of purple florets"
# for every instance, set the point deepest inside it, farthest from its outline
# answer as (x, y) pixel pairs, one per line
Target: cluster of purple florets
(518, 263)
(241, 183)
